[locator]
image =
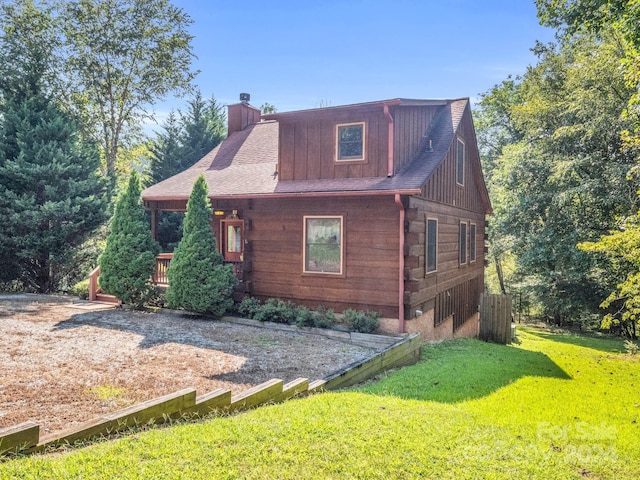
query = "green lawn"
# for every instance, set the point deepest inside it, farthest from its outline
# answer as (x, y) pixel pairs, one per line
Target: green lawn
(552, 406)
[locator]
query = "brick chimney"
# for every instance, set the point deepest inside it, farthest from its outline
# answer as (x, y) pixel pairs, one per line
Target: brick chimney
(241, 115)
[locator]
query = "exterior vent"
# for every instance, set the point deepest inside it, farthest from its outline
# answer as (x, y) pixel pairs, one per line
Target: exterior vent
(245, 97)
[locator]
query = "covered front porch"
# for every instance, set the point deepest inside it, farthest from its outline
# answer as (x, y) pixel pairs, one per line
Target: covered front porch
(229, 229)
(163, 261)
(228, 226)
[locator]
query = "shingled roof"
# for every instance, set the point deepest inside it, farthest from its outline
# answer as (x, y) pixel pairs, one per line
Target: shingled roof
(244, 165)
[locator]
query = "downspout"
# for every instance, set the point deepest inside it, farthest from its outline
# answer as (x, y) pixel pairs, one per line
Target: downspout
(390, 153)
(400, 206)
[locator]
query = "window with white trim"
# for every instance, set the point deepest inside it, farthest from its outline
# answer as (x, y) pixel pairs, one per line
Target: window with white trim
(431, 256)
(323, 245)
(350, 142)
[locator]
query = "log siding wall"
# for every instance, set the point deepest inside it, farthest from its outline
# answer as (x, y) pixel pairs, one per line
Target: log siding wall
(274, 251)
(454, 288)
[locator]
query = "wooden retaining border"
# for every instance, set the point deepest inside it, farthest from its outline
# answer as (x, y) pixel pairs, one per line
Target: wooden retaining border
(25, 438)
(395, 356)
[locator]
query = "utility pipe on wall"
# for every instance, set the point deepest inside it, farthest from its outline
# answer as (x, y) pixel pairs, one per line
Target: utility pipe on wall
(400, 206)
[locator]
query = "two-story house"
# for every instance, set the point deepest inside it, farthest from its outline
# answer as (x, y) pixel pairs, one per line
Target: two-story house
(374, 206)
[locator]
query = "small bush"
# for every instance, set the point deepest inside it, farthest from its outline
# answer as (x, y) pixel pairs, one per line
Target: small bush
(155, 297)
(324, 318)
(249, 306)
(363, 322)
(129, 256)
(277, 311)
(304, 317)
(80, 289)
(631, 348)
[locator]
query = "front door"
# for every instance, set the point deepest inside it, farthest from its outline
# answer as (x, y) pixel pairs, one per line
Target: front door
(232, 240)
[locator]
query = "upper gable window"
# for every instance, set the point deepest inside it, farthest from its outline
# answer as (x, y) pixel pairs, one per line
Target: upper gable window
(460, 163)
(350, 141)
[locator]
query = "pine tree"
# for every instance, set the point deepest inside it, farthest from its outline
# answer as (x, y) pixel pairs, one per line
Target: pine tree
(198, 279)
(187, 137)
(51, 197)
(166, 150)
(204, 127)
(128, 260)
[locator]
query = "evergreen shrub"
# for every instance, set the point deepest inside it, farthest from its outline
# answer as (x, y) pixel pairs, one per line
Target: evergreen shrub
(277, 311)
(363, 322)
(198, 279)
(128, 260)
(324, 317)
(249, 306)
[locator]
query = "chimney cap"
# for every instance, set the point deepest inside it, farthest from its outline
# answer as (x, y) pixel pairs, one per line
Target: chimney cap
(245, 97)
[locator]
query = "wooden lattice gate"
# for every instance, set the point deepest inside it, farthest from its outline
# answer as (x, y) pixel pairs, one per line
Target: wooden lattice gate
(495, 318)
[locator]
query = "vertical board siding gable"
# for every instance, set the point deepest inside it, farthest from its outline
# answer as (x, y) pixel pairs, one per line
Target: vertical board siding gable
(308, 146)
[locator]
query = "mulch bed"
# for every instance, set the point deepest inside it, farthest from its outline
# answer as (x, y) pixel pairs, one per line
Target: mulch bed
(65, 361)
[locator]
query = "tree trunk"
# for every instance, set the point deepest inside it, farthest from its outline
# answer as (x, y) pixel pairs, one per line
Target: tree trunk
(500, 274)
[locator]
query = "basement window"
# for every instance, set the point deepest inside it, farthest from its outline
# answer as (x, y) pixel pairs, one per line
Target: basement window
(350, 141)
(323, 245)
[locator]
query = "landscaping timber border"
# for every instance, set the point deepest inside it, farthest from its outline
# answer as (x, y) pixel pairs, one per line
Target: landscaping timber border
(25, 438)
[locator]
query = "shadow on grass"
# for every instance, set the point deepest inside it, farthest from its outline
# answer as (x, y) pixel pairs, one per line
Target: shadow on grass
(602, 344)
(464, 370)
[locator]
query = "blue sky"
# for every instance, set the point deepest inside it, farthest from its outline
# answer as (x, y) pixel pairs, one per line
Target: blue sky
(306, 54)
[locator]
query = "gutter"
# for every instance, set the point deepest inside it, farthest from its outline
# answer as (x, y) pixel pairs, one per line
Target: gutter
(400, 206)
(256, 196)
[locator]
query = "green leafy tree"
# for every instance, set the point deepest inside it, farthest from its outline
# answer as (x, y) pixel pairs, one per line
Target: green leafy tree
(577, 17)
(187, 137)
(496, 131)
(622, 248)
(166, 160)
(561, 177)
(198, 279)
(121, 56)
(128, 260)
(267, 108)
(51, 196)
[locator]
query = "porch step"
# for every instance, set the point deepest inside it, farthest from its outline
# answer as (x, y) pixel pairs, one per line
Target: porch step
(103, 297)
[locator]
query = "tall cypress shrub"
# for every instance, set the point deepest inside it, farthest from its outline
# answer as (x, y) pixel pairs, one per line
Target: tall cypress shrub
(128, 260)
(198, 279)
